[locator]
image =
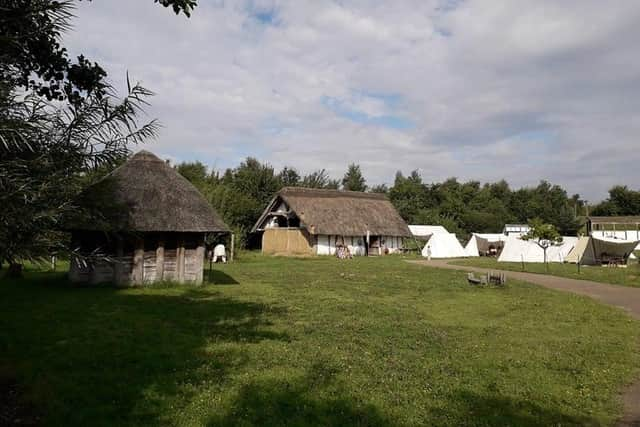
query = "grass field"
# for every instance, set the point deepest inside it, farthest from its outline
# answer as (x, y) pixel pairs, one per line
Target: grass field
(629, 276)
(319, 341)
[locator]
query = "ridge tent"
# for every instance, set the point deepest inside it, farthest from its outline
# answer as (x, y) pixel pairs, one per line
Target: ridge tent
(439, 241)
(443, 246)
(482, 243)
(518, 250)
(426, 231)
(579, 249)
(596, 250)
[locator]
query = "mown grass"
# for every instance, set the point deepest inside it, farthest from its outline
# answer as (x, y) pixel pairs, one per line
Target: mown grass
(276, 341)
(629, 276)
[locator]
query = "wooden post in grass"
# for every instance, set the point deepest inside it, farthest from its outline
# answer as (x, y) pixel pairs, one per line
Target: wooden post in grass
(233, 247)
(522, 259)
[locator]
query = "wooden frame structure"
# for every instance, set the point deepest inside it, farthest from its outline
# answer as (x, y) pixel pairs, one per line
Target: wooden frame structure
(150, 225)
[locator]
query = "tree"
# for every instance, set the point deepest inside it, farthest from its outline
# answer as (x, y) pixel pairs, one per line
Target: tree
(409, 195)
(60, 121)
(316, 179)
(43, 151)
(543, 234)
(621, 201)
(380, 188)
(195, 173)
(353, 179)
(289, 177)
(32, 57)
(256, 180)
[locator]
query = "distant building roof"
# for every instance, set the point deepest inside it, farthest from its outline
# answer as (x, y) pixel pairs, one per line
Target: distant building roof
(614, 219)
(342, 213)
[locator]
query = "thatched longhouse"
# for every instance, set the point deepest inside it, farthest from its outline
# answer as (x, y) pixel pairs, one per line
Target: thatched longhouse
(305, 221)
(150, 226)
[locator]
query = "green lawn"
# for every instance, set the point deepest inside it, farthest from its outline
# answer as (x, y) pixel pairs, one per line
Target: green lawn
(316, 341)
(629, 276)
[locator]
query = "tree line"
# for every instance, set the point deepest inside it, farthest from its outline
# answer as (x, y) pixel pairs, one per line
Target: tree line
(240, 194)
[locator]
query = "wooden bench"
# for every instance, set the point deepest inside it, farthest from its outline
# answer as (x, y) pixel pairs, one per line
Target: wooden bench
(499, 279)
(482, 280)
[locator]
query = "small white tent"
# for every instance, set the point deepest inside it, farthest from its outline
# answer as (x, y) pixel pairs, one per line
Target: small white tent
(426, 231)
(443, 245)
(482, 242)
(518, 250)
(440, 243)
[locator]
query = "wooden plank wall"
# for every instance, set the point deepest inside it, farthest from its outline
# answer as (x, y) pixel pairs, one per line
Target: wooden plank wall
(144, 266)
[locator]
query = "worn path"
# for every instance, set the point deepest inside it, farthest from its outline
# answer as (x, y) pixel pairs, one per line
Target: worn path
(619, 296)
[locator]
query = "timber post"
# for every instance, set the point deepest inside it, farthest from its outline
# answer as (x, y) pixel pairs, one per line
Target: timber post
(233, 247)
(138, 262)
(200, 254)
(160, 260)
(117, 268)
(180, 260)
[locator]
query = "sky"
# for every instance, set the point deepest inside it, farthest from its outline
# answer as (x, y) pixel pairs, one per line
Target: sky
(483, 90)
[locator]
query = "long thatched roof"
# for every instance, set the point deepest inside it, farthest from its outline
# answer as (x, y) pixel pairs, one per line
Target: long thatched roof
(343, 213)
(146, 194)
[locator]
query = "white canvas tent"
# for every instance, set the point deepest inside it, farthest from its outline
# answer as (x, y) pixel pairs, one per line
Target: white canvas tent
(439, 241)
(518, 250)
(481, 242)
(578, 250)
(426, 231)
(596, 250)
(443, 245)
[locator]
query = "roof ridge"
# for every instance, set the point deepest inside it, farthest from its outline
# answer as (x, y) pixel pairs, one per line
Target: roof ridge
(332, 192)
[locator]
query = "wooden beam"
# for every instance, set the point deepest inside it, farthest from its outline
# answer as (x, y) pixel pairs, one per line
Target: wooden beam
(233, 247)
(160, 261)
(180, 260)
(138, 262)
(200, 250)
(118, 269)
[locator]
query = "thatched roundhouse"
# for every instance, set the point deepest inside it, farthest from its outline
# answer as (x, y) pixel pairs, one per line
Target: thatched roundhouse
(305, 221)
(151, 227)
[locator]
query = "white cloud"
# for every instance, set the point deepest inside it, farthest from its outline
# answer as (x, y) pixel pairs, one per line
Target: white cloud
(517, 90)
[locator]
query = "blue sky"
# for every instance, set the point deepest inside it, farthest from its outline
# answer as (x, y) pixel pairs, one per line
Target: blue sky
(480, 90)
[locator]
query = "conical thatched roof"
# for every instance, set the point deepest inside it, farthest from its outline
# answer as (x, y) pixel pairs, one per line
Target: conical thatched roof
(146, 194)
(342, 213)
